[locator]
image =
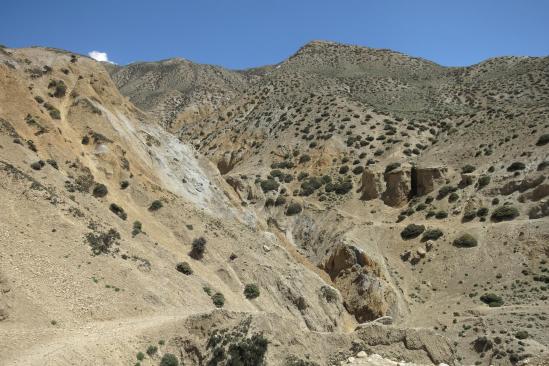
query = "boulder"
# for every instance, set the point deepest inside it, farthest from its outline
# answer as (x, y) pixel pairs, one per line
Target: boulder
(398, 187)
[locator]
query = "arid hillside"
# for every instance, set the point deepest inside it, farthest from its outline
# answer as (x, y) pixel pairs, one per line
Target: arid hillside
(345, 206)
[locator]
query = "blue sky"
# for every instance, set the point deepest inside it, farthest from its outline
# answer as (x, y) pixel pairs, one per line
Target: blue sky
(247, 33)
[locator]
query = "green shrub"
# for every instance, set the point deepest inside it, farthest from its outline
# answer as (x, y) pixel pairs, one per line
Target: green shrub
(421, 207)
(198, 248)
(280, 200)
(124, 184)
(59, 88)
(483, 181)
(101, 243)
(156, 205)
(251, 291)
(53, 163)
(453, 197)
(184, 267)
(326, 179)
(468, 169)
(309, 185)
(441, 215)
(343, 169)
(169, 360)
(218, 299)
(465, 241)
(492, 300)
(358, 169)
(543, 140)
(516, 166)
(37, 165)
(469, 215)
(54, 113)
(248, 352)
(412, 231)
(432, 234)
(504, 213)
(444, 191)
(100, 190)
(118, 211)
(521, 334)
(342, 186)
(391, 167)
(269, 185)
(293, 209)
(482, 212)
(137, 227)
(329, 293)
(304, 158)
(140, 356)
(151, 350)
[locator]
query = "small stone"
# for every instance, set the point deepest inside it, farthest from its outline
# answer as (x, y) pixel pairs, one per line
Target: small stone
(428, 245)
(266, 248)
(421, 252)
(362, 354)
(351, 359)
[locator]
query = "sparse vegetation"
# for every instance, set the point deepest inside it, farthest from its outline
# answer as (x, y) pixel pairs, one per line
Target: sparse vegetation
(156, 205)
(184, 267)
(100, 242)
(59, 88)
(198, 248)
(118, 211)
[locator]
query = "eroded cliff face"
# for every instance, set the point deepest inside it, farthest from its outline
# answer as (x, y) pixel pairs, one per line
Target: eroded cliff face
(304, 184)
(366, 294)
(397, 186)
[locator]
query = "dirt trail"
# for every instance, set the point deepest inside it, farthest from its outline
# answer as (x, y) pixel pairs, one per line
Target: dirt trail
(67, 346)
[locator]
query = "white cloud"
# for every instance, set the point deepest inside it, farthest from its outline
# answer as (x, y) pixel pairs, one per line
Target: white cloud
(100, 56)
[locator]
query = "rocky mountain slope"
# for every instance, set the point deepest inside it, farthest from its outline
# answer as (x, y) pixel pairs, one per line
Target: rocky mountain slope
(346, 200)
